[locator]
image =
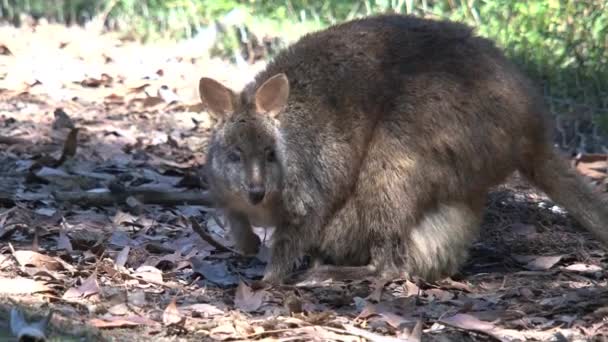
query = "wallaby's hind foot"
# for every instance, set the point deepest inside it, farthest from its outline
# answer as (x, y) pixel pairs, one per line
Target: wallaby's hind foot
(319, 274)
(567, 188)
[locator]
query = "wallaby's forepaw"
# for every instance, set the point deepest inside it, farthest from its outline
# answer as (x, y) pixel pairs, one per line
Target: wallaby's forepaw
(249, 246)
(275, 275)
(272, 278)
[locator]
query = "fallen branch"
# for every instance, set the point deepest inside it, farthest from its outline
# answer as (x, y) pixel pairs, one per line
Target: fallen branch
(11, 140)
(145, 196)
(197, 228)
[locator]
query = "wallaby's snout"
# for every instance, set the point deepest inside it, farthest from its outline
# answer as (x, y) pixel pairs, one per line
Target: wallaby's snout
(256, 194)
(257, 173)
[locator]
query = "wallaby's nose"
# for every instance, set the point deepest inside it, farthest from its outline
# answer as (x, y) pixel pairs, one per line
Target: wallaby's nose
(256, 195)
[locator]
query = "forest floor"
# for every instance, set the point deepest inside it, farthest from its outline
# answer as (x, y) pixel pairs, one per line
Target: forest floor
(100, 143)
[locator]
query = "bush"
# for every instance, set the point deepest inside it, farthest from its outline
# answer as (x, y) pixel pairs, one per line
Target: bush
(559, 42)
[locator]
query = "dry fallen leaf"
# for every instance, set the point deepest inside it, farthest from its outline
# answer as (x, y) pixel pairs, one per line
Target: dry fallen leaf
(88, 288)
(103, 80)
(62, 119)
(388, 313)
(120, 321)
(30, 258)
(248, 300)
(149, 274)
(292, 303)
(593, 166)
(215, 272)
(370, 336)
(583, 268)
(223, 332)
(171, 315)
(15, 286)
(416, 334)
(410, 288)
(5, 51)
(378, 287)
(123, 256)
(472, 323)
(538, 263)
(63, 242)
(468, 322)
(203, 310)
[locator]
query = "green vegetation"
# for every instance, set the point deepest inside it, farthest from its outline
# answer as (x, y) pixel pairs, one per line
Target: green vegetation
(562, 43)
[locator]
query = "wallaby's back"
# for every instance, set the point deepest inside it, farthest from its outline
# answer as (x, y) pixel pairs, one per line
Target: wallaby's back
(441, 91)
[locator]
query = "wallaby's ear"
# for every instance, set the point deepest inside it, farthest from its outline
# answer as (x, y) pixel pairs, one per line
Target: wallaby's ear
(271, 96)
(216, 96)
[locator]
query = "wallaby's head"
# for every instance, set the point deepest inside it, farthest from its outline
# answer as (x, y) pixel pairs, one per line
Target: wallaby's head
(244, 161)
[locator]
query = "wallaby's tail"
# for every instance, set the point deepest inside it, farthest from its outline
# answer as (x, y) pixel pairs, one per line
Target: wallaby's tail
(567, 188)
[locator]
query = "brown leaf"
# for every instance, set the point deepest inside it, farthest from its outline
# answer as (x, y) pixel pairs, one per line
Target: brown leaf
(114, 99)
(5, 51)
(387, 313)
(583, 268)
(139, 89)
(202, 309)
(449, 283)
(411, 288)
(150, 274)
(63, 242)
(592, 165)
(17, 286)
(152, 101)
(416, 334)
(223, 332)
(439, 294)
(92, 82)
(62, 119)
(246, 299)
(538, 263)
(319, 333)
(120, 321)
(88, 288)
(30, 258)
(468, 322)
(122, 257)
(293, 304)
(378, 286)
(137, 298)
(371, 336)
(71, 143)
(171, 315)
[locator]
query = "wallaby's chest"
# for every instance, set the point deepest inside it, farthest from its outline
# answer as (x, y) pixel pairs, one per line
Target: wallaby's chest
(263, 215)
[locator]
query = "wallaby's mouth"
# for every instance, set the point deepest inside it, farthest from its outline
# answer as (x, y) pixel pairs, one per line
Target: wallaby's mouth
(256, 195)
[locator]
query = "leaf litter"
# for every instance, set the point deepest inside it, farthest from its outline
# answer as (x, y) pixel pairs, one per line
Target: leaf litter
(104, 217)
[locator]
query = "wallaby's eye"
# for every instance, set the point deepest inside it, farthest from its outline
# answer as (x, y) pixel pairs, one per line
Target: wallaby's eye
(270, 156)
(234, 156)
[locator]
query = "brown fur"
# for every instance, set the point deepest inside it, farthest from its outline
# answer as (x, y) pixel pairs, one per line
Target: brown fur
(391, 133)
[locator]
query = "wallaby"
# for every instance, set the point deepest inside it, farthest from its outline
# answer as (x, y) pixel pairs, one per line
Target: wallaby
(372, 145)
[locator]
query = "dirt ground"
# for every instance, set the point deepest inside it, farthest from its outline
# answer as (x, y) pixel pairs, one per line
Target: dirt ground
(100, 144)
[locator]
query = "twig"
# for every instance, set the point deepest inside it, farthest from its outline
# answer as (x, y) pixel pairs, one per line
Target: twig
(145, 196)
(11, 140)
(205, 236)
